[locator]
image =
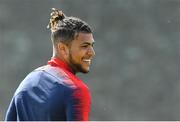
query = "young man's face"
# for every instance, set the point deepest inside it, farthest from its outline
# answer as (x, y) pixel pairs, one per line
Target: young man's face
(81, 52)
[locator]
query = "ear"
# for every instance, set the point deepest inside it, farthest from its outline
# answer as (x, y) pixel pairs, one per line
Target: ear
(63, 49)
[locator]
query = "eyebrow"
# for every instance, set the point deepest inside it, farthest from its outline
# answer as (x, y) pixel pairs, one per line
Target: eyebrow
(88, 43)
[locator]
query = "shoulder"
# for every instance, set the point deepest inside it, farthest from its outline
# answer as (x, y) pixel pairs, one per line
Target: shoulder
(45, 78)
(59, 75)
(44, 83)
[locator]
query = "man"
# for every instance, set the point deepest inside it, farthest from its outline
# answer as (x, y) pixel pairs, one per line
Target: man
(53, 92)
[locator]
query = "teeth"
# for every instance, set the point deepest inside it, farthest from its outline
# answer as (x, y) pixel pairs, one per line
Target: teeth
(88, 60)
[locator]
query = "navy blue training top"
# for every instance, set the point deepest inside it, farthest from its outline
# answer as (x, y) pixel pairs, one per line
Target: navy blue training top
(49, 93)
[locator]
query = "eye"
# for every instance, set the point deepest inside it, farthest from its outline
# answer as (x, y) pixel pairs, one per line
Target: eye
(84, 46)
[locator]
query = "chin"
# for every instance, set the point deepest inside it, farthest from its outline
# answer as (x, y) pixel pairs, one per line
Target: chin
(82, 69)
(85, 70)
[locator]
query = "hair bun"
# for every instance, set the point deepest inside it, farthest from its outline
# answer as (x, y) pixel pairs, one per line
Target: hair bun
(56, 16)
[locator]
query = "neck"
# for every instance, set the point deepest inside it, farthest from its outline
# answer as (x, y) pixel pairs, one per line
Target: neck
(54, 52)
(55, 55)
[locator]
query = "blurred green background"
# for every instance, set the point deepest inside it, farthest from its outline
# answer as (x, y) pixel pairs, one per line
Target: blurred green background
(136, 72)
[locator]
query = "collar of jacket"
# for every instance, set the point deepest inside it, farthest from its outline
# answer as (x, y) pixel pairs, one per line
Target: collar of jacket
(59, 63)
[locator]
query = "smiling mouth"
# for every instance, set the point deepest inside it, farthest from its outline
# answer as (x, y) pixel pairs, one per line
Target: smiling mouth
(87, 61)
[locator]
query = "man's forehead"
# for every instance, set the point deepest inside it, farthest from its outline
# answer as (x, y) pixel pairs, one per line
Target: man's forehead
(85, 37)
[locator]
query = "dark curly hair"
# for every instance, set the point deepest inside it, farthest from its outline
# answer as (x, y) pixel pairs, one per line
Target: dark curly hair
(64, 29)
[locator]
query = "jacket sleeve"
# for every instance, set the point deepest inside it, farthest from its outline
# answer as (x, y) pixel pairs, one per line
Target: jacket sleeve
(11, 112)
(17, 110)
(78, 105)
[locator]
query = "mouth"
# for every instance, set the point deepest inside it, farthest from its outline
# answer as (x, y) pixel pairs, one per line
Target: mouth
(88, 61)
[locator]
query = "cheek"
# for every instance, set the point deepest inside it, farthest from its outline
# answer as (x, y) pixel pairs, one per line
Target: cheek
(77, 54)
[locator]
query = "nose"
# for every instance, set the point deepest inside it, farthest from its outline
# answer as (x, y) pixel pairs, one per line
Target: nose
(91, 52)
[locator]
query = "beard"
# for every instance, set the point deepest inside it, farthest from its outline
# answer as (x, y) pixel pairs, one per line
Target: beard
(77, 67)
